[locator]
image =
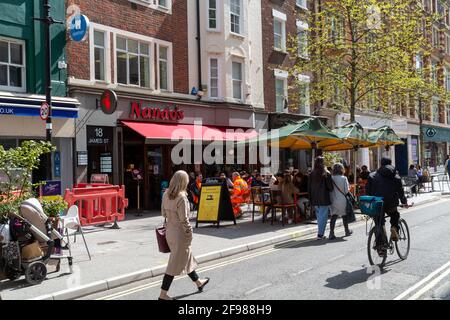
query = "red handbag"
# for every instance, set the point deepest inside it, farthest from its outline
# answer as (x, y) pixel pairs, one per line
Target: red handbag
(162, 241)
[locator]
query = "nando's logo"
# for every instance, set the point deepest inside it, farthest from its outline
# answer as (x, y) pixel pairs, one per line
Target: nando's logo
(138, 111)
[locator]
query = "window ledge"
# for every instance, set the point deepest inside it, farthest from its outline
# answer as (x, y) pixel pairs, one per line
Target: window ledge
(282, 51)
(237, 35)
(213, 30)
(301, 7)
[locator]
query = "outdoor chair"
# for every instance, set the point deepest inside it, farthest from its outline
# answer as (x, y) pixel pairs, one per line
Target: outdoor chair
(259, 198)
(276, 203)
(72, 221)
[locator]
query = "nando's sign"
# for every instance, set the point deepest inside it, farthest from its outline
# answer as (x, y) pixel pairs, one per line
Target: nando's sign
(147, 111)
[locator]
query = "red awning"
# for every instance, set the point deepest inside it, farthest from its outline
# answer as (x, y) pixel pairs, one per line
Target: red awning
(158, 131)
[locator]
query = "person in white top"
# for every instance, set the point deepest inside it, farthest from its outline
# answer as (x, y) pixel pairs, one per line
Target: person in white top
(338, 200)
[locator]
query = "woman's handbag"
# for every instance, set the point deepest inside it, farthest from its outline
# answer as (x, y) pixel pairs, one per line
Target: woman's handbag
(351, 203)
(161, 238)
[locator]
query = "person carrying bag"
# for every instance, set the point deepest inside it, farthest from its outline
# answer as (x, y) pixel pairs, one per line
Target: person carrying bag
(342, 204)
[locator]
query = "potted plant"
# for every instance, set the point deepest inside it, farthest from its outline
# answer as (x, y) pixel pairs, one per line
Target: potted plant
(53, 207)
(16, 167)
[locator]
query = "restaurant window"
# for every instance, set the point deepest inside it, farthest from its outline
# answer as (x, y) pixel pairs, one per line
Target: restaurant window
(133, 62)
(163, 68)
(99, 55)
(236, 75)
(12, 65)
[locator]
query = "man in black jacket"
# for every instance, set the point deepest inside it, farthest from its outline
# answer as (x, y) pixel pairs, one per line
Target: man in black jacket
(386, 183)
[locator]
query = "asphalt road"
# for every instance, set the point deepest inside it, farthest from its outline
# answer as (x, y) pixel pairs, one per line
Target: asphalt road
(317, 269)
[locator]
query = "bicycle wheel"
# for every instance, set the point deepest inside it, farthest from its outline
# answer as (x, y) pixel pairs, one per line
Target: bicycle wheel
(403, 243)
(372, 251)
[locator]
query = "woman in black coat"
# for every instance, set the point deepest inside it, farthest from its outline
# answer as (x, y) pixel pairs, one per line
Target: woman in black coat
(319, 187)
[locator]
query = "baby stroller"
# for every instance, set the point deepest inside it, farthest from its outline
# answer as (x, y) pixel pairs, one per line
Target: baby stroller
(30, 245)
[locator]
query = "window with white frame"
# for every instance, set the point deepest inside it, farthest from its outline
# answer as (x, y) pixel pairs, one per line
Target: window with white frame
(281, 90)
(133, 62)
(279, 31)
(212, 15)
(303, 91)
(280, 94)
(435, 37)
(447, 44)
(336, 28)
(99, 55)
(214, 78)
(12, 65)
(435, 110)
(434, 70)
(237, 77)
(236, 16)
(302, 4)
(447, 79)
(163, 68)
(302, 36)
(163, 3)
(447, 112)
(419, 62)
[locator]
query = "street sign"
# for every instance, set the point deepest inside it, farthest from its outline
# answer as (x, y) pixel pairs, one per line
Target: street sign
(44, 111)
(79, 27)
(431, 132)
(108, 102)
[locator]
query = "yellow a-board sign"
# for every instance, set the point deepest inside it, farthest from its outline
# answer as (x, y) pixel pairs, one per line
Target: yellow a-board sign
(208, 208)
(215, 202)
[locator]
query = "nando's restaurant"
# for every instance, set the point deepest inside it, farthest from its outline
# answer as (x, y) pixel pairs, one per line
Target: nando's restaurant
(137, 138)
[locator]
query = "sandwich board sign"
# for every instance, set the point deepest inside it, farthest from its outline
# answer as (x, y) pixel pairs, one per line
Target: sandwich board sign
(215, 203)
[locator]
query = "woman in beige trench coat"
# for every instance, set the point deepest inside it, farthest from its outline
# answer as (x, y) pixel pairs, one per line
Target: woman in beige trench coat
(175, 208)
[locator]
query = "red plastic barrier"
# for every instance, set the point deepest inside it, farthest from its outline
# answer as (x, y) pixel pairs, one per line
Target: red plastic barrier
(98, 205)
(91, 185)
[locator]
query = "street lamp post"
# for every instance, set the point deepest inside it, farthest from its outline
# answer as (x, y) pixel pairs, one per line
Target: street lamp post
(421, 144)
(48, 21)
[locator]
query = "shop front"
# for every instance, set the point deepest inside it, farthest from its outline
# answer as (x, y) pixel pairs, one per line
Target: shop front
(20, 120)
(435, 148)
(138, 144)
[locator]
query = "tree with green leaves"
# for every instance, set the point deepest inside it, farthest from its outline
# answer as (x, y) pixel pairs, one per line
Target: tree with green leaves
(16, 168)
(361, 54)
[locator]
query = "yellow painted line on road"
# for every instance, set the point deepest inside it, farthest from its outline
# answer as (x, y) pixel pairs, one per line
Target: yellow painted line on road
(236, 260)
(208, 268)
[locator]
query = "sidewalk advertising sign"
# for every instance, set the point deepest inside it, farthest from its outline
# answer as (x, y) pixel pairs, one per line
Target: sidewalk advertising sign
(50, 190)
(215, 203)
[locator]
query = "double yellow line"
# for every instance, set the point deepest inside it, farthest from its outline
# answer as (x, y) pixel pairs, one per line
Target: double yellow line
(208, 268)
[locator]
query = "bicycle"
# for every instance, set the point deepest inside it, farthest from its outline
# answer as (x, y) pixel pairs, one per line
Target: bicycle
(377, 254)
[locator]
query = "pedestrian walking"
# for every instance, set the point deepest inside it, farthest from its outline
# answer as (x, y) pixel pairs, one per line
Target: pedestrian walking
(175, 208)
(319, 187)
(338, 200)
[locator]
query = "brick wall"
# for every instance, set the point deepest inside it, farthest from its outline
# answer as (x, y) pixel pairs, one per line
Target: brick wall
(122, 14)
(273, 59)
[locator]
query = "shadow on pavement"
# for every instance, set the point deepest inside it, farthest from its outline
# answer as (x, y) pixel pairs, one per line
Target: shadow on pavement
(243, 228)
(294, 244)
(346, 279)
(186, 295)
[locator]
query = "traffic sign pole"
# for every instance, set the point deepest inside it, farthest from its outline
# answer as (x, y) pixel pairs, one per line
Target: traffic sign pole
(48, 89)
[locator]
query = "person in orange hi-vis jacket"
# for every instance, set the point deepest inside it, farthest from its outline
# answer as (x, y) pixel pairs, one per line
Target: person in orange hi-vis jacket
(240, 193)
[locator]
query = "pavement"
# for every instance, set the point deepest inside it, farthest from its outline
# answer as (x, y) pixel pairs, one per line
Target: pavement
(130, 254)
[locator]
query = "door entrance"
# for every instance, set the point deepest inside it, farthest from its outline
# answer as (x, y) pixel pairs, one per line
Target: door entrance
(401, 158)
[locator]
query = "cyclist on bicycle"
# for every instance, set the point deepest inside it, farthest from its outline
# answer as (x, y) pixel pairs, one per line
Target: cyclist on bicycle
(386, 183)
